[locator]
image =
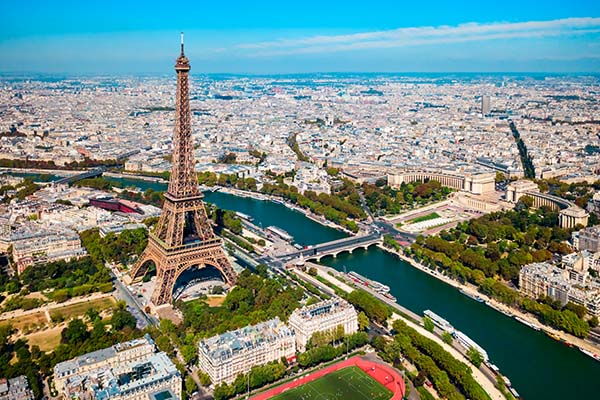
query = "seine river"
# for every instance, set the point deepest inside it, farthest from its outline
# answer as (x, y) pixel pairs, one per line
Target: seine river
(539, 367)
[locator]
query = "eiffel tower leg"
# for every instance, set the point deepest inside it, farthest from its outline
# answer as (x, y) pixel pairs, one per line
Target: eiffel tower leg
(222, 264)
(163, 291)
(139, 270)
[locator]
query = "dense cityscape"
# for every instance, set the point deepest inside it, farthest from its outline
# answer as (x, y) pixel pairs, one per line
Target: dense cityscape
(189, 235)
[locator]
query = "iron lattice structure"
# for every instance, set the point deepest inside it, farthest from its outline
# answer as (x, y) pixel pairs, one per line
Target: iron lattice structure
(183, 237)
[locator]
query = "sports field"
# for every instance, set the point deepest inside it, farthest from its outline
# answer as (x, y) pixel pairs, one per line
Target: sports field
(347, 383)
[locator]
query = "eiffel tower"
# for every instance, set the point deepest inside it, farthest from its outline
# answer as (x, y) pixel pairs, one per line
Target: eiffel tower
(183, 237)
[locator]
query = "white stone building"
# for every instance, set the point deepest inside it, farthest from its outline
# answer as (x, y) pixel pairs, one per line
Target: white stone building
(224, 357)
(323, 316)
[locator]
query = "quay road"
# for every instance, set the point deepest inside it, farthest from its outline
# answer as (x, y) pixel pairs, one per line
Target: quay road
(122, 293)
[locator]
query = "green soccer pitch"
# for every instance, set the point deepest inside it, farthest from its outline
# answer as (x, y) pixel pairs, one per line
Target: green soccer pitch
(349, 383)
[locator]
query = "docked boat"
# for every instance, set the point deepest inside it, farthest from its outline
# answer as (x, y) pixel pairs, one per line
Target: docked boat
(279, 232)
(244, 216)
(468, 343)
(476, 298)
(566, 343)
(389, 296)
(529, 324)
(588, 353)
(507, 313)
(376, 286)
(439, 321)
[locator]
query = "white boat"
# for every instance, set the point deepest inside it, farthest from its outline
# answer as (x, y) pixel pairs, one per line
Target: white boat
(595, 356)
(439, 321)
(529, 324)
(376, 286)
(468, 343)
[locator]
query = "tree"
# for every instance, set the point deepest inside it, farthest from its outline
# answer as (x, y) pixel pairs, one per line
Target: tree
(75, 332)
(204, 378)
(578, 309)
(312, 271)
(363, 321)
(190, 385)
(593, 322)
(447, 338)
(218, 289)
(474, 356)
(164, 344)
(122, 319)
(188, 352)
(92, 314)
(526, 201)
(428, 324)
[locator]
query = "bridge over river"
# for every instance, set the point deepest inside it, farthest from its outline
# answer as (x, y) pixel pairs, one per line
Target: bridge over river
(333, 248)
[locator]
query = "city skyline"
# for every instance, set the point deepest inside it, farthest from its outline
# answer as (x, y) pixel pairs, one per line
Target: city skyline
(270, 38)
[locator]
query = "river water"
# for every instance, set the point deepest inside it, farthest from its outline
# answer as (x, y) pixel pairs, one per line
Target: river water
(539, 367)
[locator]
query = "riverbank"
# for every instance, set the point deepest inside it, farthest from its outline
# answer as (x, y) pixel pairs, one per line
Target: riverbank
(338, 279)
(278, 200)
(138, 177)
(498, 306)
(58, 172)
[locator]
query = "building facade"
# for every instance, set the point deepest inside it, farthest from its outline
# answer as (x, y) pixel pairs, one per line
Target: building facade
(569, 284)
(323, 316)
(15, 389)
(587, 239)
(45, 245)
(224, 357)
(131, 370)
(476, 183)
(570, 215)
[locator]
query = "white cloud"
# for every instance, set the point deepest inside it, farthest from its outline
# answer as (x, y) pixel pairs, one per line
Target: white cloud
(427, 35)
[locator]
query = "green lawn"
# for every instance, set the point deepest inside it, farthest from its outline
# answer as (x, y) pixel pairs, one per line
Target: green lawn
(346, 384)
(427, 217)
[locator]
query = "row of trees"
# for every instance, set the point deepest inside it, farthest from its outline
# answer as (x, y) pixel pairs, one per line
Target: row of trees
(374, 309)
(338, 207)
(451, 378)
(39, 164)
(328, 352)
(382, 199)
(258, 376)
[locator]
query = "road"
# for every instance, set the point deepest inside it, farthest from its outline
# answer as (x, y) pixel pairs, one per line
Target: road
(122, 293)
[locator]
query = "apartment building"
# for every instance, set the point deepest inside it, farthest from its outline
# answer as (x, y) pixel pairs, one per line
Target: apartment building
(131, 370)
(323, 316)
(224, 357)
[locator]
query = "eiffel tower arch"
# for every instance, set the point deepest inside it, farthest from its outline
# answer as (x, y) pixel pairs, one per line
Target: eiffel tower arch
(183, 237)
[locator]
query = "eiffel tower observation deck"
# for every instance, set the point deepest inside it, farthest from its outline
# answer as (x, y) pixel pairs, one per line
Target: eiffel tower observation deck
(183, 237)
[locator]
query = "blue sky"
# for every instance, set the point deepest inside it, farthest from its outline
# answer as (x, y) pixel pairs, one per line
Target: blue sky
(300, 36)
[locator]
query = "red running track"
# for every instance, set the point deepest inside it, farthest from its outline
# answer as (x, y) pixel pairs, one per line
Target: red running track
(382, 373)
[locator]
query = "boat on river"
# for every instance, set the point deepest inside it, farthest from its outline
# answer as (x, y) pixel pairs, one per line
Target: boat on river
(376, 286)
(529, 324)
(588, 353)
(476, 298)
